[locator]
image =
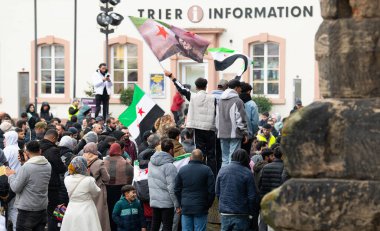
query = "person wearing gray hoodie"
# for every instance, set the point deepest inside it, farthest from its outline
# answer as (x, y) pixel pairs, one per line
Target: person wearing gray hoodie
(161, 181)
(30, 183)
(231, 121)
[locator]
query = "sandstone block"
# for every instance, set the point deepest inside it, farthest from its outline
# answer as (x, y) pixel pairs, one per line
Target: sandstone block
(348, 52)
(323, 205)
(334, 139)
(333, 9)
(365, 8)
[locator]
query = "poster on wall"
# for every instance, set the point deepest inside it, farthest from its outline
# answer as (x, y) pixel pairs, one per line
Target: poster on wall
(157, 86)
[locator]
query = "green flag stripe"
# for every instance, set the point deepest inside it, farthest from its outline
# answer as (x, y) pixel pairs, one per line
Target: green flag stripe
(139, 21)
(129, 115)
(221, 50)
(181, 157)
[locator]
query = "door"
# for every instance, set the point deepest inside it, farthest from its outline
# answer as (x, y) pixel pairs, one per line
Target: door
(23, 91)
(297, 84)
(192, 71)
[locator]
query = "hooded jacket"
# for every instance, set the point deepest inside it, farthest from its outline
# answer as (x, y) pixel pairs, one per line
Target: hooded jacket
(231, 118)
(11, 150)
(30, 183)
(51, 152)
(161, 181)
(99, 85)
(252, 114)
(46, 113)
(83, 111)
(33, 117)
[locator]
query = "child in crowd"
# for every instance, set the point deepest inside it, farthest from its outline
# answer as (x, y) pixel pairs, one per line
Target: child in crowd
(128, 213)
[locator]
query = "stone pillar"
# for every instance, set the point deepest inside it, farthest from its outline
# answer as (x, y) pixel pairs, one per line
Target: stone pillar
(332, 147)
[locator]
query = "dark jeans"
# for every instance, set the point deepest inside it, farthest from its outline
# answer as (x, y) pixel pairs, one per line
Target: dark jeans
(54, 200)
(113, 196)
(234, 222)
(102, 99)
(165, 216)
(176, 115)
(205, 141)
(31, 220)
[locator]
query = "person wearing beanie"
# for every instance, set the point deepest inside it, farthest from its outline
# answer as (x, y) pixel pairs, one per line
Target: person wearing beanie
(89, 137)
(99, 171)
(121, 173)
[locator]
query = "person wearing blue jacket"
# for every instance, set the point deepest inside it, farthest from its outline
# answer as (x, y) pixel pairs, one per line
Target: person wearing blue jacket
(195, 191)
(236, 191)
(252, 114)
(128, 213)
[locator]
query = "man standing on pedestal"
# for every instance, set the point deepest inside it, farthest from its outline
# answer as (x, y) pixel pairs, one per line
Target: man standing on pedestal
(102, 87)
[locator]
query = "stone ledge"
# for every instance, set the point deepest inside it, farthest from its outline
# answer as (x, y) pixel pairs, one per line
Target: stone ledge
(323, 205)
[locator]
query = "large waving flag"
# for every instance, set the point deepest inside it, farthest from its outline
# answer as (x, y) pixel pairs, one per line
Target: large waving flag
(224, 57)
(165, 40)
(141, 114)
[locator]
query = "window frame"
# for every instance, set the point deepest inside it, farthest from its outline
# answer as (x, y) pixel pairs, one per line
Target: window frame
(123, 40)
(65, 98)
(267, 38)
(125, 81)
(52, 70)
(266, 69)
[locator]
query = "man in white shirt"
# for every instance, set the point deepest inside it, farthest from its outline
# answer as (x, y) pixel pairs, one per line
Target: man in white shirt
(102, 87)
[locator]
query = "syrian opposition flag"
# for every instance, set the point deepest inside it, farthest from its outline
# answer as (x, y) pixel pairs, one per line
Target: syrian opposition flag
(158, 36)
(224, 57)
(165, 40)
(181, 160)
(141, 114)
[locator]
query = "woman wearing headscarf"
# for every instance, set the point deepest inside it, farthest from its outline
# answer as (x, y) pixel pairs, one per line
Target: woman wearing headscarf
(33, 117)
(81, 213)
(99, 172)
(121, 173)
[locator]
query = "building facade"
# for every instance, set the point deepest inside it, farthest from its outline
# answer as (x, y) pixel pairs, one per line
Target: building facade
(277, 34)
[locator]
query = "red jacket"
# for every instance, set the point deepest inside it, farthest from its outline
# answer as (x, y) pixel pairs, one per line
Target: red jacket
(177, 102)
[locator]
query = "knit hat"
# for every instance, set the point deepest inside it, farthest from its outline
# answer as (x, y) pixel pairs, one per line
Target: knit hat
(118, 134)
(91, 137)
(73, 130)
(67, 142)
(115, 150)
(267, 126)
(5, 126)
(222, 82)
(91, 148)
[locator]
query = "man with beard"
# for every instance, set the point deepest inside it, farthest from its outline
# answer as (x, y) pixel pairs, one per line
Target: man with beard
(102, 87)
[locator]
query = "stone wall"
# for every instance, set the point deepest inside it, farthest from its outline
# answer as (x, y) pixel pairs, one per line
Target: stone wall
(332, 147)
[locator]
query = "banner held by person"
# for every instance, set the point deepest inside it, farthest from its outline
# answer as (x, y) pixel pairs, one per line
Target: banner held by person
(141, 114)
(165, 40)
(224, 58)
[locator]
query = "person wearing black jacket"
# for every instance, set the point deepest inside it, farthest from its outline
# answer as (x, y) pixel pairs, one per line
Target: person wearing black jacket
(271, 178)
(52, 153)
(45, 112)
(195, 192)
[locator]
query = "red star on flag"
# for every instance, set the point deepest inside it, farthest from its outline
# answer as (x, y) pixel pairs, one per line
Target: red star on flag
(140, 111)
(162, 31)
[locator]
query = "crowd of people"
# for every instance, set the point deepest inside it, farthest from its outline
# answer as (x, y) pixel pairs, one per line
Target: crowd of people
(77, 173)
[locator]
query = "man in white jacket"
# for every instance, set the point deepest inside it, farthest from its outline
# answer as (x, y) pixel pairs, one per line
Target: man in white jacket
(102, 87)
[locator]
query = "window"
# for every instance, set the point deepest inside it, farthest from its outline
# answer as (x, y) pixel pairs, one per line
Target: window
(124, 66)
(265, 72)
(51, 70)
